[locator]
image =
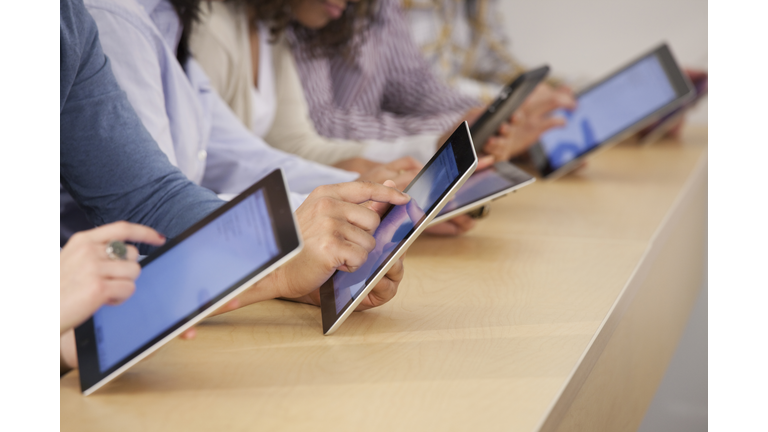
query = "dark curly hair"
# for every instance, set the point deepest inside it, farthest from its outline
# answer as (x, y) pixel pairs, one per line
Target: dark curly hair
(341, 37)
(189, 12)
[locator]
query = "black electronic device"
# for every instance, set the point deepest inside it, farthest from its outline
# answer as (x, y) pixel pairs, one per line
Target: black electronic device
(189, 277)
(613, 108)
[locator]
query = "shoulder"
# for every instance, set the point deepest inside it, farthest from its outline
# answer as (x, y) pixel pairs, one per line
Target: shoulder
(126, 14)
(387, 10)
(78, 43)
(76, 30)
(222, 26)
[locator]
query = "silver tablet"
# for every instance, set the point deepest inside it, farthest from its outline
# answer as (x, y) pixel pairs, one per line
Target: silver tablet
(617, 106)
(188, 278)
(445, 173)
(490, 184)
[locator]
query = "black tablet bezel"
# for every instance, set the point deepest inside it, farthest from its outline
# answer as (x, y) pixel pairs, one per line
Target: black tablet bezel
(510, 98)
(679, 81)
(659, 128)
(465, 159)
(505, 169)
(286, 234)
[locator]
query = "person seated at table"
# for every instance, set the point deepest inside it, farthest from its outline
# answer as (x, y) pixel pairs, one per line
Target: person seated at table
(246, 57)
(115, 171)
(147, 43)
(89, 277)
(364, 77)
(255, 75)
(190, 123)
(241, 47)
(467, 45)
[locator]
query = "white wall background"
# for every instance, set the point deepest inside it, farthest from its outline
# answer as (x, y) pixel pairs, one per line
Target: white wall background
(584, 40)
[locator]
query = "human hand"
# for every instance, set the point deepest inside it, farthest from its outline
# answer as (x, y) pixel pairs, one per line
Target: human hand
(533, 118)
(401, 171)
(452, 227)
(386, 289)
(357, 164)
(88, 278)
(337, 233)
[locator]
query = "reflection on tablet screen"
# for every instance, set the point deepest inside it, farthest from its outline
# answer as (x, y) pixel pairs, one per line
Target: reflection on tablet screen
(186, 278)
(608, 109)
(480, 185)
(398, 223)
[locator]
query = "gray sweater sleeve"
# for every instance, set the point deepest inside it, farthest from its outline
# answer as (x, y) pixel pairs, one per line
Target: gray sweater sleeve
(109, 162)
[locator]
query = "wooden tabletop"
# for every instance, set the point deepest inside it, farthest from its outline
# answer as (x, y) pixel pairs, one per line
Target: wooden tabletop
(559, 311)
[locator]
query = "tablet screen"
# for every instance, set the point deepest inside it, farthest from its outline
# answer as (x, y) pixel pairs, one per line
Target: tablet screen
(485, 183)
(608, 109)
(187, 278)
(398, 223)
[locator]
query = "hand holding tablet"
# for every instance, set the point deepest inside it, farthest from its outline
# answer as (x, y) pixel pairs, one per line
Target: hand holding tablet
(228, 253)
(338, 234)
(90, 279)
(445, 173)
(526, 100)
(189, 277)
(625, 101)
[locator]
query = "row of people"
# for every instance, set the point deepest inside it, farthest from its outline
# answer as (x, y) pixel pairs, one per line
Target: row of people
(334, 93)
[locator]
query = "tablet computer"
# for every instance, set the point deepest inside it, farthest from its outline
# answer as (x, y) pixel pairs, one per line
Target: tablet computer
(189, 277)
(510, 98)
(660, 128)
(484, 186)
(448, 169)
(613, 108)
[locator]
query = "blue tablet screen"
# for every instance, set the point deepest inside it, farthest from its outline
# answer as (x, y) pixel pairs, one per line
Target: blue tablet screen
(186, 278)
(608, 109)
(399, 223)
(480, 185)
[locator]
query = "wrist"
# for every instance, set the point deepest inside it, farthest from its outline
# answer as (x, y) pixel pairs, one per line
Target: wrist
(265, 289)
(312, 298)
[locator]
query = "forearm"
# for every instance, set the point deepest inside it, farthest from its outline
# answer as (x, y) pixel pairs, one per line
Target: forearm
(310, 146)
(421, 147)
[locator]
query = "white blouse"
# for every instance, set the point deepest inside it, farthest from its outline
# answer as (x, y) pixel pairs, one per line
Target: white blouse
(221, 43)
(263, 99)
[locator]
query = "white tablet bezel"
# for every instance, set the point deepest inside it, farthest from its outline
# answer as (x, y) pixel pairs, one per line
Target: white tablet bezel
(480, 202)
(382, 271)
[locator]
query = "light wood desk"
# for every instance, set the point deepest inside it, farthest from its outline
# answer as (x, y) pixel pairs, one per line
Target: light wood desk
(560, 311)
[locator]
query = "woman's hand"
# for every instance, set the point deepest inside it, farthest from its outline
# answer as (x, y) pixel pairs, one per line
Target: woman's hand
(88, 278)
(338, 234)
(357, 164)
(401, 171)
(533, 118)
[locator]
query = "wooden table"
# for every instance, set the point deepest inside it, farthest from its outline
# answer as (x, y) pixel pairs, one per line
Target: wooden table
(560, 311)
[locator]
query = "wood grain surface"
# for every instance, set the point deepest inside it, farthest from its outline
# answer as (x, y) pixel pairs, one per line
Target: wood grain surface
(541, 318)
